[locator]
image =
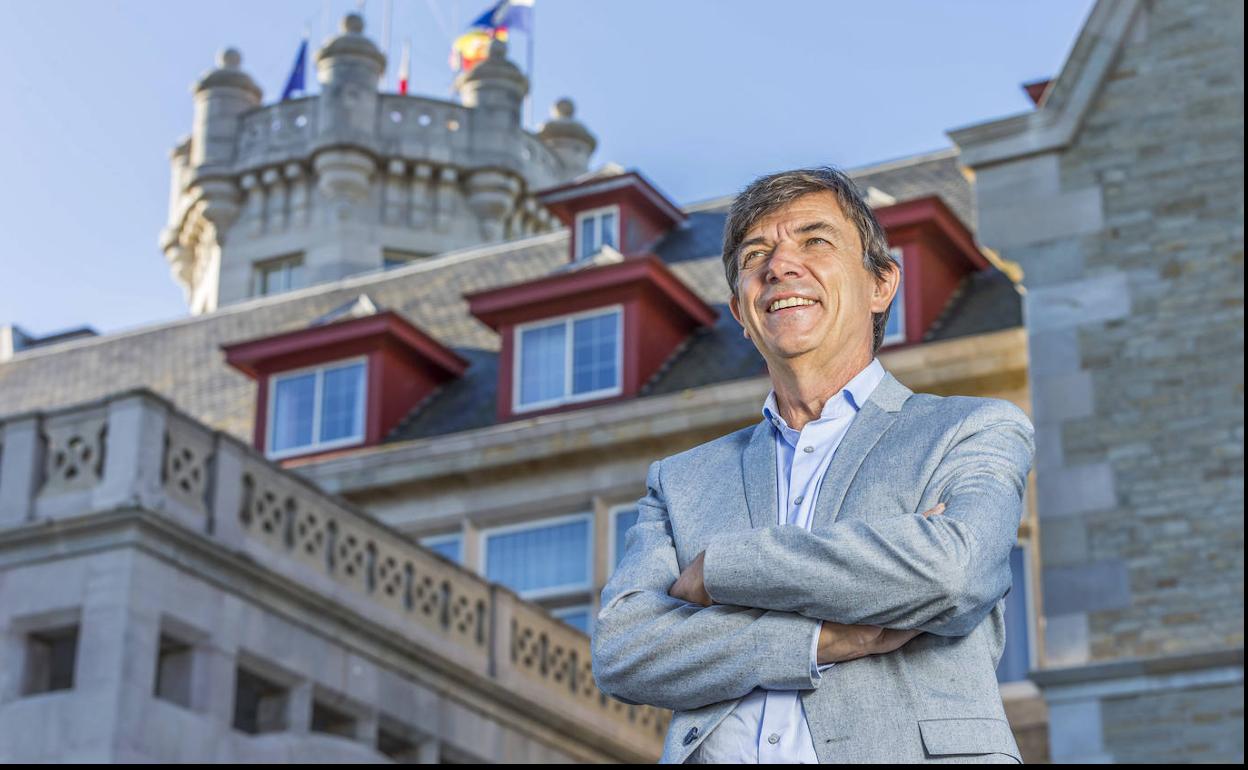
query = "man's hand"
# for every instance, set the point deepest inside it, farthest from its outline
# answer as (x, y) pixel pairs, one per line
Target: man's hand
(689, 585)
(839, 642)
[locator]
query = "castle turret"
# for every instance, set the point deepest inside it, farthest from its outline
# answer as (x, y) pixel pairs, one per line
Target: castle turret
(568, 138)
(349, 68)
(221, 95)
(495, 91)
(272, 197)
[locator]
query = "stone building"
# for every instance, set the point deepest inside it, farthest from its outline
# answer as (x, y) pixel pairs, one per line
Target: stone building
(1122, 199)
(361, 503)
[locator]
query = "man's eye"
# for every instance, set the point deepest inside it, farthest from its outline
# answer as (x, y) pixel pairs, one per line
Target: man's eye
(748, 258)
(815, 240)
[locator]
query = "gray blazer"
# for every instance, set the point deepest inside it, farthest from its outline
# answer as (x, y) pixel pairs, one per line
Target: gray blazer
(869, 557)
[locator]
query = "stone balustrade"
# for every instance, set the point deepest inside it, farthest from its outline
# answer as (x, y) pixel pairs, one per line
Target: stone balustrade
(135, 451)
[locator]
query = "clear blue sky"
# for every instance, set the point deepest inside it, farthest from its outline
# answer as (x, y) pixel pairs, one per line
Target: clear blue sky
(701, 96)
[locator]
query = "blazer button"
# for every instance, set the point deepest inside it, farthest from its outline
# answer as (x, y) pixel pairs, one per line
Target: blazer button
(691, 736)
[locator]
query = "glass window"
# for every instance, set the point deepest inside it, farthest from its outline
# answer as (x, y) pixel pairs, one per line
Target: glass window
(279, 275)
(449, 546)
(392, 258)
(542, 559)
(593, 353)
(624, 519)
(607, 230)
(343, 391)
(591, 342)
(589, 228)
(895, 329)
(293, 405)
(597, 228)
(577, 617)
(1016, 657)
(318, 407)
(541, 363)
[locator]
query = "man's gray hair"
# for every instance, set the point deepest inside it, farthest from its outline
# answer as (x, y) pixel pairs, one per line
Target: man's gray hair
(771, 193)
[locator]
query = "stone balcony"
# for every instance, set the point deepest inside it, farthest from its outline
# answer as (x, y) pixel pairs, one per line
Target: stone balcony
(219, 512)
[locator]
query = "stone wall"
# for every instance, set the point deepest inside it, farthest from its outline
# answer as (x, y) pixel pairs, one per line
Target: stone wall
(1122, 199)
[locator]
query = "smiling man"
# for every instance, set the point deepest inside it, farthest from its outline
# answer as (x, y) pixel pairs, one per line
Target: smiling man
(826, 585)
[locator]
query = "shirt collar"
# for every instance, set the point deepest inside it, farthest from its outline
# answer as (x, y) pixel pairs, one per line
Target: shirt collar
(855, 393)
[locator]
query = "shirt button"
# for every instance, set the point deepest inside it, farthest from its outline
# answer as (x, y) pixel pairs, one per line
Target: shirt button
(797, 500)
(808, 449)
(773, 738)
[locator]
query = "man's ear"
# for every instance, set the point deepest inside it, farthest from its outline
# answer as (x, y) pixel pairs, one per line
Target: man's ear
(885, 287)
(736, 313)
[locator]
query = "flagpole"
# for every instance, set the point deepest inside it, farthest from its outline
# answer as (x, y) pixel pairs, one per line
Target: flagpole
(386, 9)
(528, 37)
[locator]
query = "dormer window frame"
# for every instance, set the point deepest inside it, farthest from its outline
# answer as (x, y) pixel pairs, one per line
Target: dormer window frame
(597, 214)
(899, 301)
(568, 397)
(317, 408)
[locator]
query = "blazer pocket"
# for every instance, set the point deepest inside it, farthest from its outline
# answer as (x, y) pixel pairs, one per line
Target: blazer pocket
(968, 735)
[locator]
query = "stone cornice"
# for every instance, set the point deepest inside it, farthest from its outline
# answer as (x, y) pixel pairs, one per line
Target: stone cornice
(1061, 113)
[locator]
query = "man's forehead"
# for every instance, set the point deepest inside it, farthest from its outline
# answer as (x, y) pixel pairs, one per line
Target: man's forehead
(813, 207)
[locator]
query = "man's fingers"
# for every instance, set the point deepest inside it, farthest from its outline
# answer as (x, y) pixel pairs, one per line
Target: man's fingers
(935, 509)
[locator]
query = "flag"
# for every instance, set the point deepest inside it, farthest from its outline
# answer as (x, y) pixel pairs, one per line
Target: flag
(296, 81)
(405, 65)
(472, 47)
(516, 14)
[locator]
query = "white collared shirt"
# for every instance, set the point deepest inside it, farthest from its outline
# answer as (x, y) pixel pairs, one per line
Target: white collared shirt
(769, 726)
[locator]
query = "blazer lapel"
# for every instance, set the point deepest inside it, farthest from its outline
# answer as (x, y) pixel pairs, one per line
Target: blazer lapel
(873, 418)
(758, 468)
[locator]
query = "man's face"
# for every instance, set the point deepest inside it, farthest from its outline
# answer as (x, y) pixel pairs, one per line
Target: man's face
(809, 249)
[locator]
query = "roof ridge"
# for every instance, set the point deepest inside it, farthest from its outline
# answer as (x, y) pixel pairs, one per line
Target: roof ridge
(380, 275)
(873, 168)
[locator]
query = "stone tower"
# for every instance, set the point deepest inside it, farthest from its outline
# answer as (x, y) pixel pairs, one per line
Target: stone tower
(266, 198)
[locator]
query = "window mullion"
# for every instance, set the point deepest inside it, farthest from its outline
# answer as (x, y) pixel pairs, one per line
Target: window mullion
(316, 407)
(568, 362)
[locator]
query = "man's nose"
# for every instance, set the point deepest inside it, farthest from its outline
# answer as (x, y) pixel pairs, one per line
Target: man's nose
(785, 261)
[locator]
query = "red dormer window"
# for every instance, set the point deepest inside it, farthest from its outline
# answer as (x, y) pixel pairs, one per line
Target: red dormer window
(623, 210)
(570, 358)
(340, 385)
(316, 408)
(936, 252)
(586, 336)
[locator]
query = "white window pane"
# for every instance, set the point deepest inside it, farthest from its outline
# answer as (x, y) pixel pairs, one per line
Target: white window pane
(292, 411)
(608, 229)
(541, 363)
(587, 244)
(294, 277)
(623, 520)
(1016, 656)
(342, 393)
(594, 353)
(542, 557)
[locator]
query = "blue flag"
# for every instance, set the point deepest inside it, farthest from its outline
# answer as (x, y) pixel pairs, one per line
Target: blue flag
(296, 82)
(514, 14)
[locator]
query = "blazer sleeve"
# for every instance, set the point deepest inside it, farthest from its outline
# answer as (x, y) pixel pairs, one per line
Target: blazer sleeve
(648, 647)
(941, 574)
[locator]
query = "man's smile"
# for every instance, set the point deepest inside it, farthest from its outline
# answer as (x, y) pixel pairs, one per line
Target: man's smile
(790, 303)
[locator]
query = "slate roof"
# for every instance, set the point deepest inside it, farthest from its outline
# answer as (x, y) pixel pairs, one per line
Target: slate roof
(182, 359)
